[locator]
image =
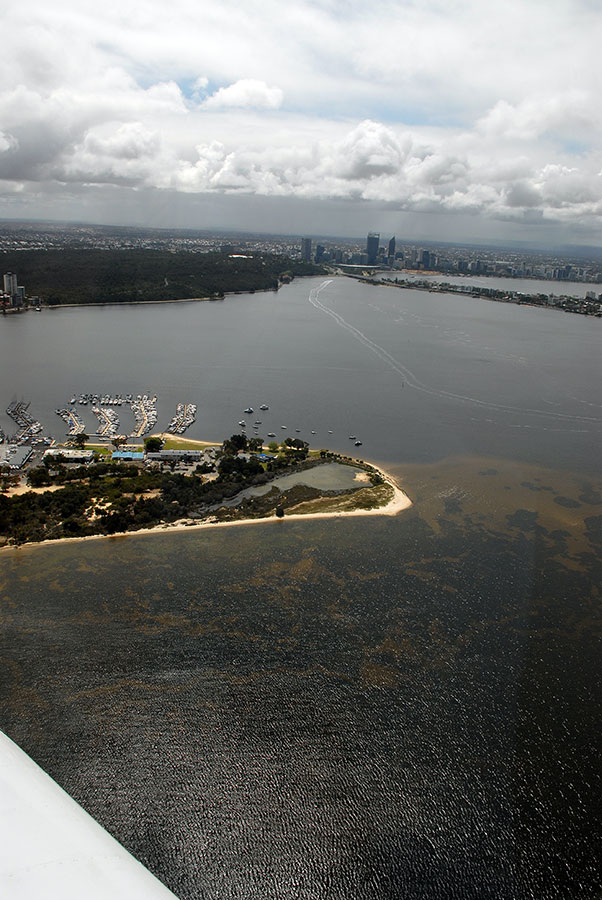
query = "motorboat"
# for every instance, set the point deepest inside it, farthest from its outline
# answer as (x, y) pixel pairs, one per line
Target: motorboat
(358, 443)
(264, 406)
(249, 410)
(271, 434)
(242, 424)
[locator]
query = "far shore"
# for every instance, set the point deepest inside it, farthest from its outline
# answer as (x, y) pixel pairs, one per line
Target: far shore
(399, 502)
(225, 294)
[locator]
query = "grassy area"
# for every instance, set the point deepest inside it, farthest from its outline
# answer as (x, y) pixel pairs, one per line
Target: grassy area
(102, 449)
(372, 497)
(178, 443)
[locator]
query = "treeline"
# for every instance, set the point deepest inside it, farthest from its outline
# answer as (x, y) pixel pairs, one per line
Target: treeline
(114, 276)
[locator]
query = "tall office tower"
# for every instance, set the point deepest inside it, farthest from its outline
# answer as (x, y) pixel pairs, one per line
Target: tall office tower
(320, 251)
(392, 246)
(306, 249)
(425, 258)
(10, 284)
(372, 243)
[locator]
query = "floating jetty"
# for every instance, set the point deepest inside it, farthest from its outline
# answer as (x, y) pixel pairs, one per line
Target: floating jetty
(74, 422)
(28, 426)
(183, 419)
(145, 413)
(108, 421)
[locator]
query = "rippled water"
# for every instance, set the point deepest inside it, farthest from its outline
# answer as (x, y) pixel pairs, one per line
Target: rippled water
(366, 708)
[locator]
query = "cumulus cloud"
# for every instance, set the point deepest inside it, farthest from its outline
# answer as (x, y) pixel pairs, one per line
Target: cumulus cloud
(248, 92)
(426, 106)
(369, 151)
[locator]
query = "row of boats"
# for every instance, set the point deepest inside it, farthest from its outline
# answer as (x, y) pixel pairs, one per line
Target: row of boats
(104, 399)
(272, 434)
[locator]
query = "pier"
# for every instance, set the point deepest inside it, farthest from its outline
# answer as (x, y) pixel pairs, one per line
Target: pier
(108, 421)
(145, 413)
(74, 422)
(183, 419)
(28, 426)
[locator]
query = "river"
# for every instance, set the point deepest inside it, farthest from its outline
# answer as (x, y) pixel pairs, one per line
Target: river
(367, 708)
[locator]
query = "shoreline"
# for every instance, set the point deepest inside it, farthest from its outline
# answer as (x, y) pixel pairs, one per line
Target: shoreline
(219, 299)
(399, 502)
(475, 293)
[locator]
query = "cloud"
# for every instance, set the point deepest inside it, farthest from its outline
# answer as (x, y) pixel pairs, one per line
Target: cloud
(248, 92)
(7, 142)
(419, 106)
(369, 151)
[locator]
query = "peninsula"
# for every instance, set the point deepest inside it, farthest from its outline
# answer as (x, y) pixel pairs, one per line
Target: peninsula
(181, 484)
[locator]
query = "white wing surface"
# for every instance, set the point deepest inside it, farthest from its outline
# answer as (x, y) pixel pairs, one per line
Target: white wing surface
(51, 848)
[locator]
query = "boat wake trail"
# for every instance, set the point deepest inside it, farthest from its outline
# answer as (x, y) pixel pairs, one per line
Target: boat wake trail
(412, 381)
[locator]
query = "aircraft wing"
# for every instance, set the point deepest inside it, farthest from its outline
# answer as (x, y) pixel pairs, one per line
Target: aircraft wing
(51, 848)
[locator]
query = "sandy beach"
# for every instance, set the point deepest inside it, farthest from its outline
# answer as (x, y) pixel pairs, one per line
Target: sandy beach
(397, 504)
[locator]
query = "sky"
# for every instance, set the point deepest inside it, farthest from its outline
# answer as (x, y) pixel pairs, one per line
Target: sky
(455, 120)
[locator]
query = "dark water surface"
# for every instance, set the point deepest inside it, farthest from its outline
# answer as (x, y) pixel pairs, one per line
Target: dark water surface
(344, 708)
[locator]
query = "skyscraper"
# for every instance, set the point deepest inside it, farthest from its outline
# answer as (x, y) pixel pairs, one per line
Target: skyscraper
(10, 284)
(306, 249)
(392, 246)
(372, 243)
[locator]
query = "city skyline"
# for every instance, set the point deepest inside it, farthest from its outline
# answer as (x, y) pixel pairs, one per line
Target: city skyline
(324, 118)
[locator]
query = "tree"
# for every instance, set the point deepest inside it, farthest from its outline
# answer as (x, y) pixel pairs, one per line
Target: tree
(153, 444)
(255, 444)
(233, 445)
(117, 441)
(80, 440)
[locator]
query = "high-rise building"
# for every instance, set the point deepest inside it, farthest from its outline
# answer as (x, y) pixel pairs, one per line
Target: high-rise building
(306, 249)
(372, 243)
(320, 251)
(10, 284)
(392, 247)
